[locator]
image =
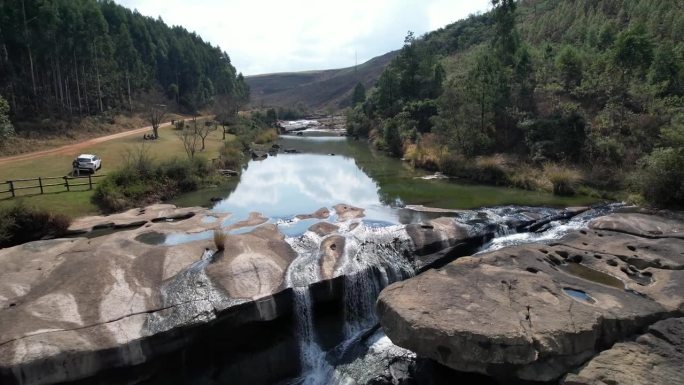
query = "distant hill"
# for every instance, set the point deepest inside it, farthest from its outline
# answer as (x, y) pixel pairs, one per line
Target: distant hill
(316, 89)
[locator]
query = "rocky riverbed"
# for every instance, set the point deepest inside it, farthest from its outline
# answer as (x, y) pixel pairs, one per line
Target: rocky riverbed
(567, 310)
(146, 296)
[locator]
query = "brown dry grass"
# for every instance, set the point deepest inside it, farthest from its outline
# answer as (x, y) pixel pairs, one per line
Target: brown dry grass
(220, 240)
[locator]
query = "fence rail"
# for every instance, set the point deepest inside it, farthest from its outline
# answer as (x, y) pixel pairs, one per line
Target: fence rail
(12, 187)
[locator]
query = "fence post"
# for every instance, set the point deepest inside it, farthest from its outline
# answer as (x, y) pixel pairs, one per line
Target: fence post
(90, 182)
(11, 185)
(66, 183)
(40, 183)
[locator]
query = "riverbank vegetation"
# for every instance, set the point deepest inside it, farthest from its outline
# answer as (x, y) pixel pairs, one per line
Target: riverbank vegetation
(20, 224)
(143, 180)
(569, 97)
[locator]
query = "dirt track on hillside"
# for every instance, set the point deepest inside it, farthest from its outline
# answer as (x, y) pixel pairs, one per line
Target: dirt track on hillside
(76, 146)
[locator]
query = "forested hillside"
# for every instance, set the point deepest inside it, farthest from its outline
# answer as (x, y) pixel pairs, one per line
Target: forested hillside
(581, 95)
(85, 57)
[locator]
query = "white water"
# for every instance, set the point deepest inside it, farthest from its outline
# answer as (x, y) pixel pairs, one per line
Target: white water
(554, 230)
(367, 269)
(315, 367)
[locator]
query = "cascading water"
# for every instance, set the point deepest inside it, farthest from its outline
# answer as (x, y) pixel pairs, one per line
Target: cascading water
(551, 231)
(378, 357)
(366, 268)
(315, 368)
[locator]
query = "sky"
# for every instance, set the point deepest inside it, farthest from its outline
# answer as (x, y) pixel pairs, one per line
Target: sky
(267, 36)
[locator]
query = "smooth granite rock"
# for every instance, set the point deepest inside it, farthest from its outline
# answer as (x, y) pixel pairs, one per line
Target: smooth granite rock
(654, 358)
(154, 291)
(534, 312)
(642, 225)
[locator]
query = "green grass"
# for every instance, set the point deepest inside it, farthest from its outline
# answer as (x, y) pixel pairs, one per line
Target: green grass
(113, 154)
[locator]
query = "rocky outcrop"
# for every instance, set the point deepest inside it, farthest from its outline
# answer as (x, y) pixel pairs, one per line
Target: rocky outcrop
(534, 312)
(655, 358)
(346, 212)
(642, 225)
(114, 308)
(321, 213)
(159, 213)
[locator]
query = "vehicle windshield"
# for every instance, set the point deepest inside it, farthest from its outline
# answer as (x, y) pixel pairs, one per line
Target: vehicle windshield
(84, 159)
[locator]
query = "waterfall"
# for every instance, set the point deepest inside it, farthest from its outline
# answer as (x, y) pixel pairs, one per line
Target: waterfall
(315, 367)
(360, 292)
(367, 268)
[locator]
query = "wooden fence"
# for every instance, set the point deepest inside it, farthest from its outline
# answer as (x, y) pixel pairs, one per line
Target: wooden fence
(45, 185)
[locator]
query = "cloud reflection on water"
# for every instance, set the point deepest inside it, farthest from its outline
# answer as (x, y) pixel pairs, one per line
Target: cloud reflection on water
(288, 185)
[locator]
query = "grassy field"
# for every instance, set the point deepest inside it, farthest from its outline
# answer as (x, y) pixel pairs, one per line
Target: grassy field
(113, 154)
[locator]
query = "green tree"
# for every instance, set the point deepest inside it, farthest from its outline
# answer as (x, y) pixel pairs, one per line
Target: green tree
(455, 124)
(662, 177)
(666, 71)
(525, 79)
(633, 49)
(387, 93)
(569, 65)
(6, 128)
(392, 137)
(271, 117)
(506, 39)
(607, 35)
(359, 94)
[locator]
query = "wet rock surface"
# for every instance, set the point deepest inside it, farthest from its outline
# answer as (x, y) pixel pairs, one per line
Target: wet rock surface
(117, 307)
(536, 312)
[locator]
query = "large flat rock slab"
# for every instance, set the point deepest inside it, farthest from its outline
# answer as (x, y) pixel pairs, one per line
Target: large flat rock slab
(642, 225)
(660, 253)
(654, 358)
(534, 312)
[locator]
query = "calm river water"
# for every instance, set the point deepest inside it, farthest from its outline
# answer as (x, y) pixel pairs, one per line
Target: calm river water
(332, 169)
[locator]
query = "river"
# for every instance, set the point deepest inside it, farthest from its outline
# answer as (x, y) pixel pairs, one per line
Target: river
(327, 170)
(333, 169)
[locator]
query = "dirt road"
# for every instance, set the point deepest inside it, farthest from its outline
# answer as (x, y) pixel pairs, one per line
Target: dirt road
(76, 146)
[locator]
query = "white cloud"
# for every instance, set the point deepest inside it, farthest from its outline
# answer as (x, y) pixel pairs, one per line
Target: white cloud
(263, 36)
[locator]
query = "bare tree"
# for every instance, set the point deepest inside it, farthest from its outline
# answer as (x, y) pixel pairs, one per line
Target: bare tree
(155, 115)
(204, 130)
(190, 136)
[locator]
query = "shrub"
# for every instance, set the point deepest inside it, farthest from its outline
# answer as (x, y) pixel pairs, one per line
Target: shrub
(20, 224)
(231, 156)
(529, 177)
(661, 180)
(427, 153)
(452, 164)
(563, 179)
(134, 186)
(266, 136)
(490, 170)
